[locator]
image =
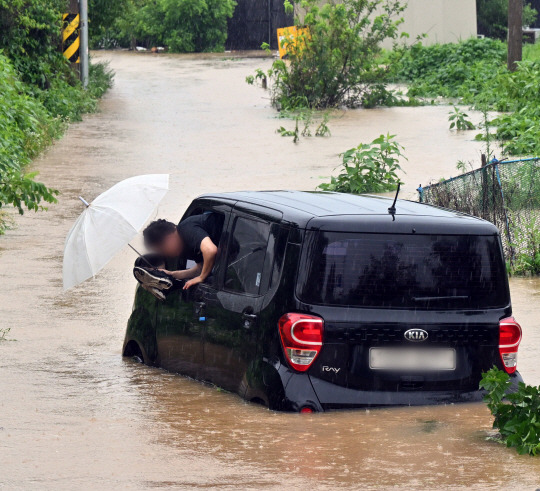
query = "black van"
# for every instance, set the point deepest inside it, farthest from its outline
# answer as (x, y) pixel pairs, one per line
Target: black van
(321, 301)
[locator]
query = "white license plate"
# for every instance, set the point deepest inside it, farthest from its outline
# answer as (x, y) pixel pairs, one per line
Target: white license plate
(412, 359)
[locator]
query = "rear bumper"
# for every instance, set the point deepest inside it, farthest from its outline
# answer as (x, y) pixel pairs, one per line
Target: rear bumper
(284, 389)
(331, 396)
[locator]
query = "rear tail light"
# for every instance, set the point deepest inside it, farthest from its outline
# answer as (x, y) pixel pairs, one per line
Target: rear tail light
(509, 339)
(302, 339)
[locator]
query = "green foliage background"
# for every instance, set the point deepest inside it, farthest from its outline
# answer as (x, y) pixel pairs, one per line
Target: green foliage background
(492, 17)
(39, 95)
(474, 72)
(179, 25)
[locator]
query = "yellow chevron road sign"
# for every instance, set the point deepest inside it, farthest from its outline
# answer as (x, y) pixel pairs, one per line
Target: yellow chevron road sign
(70, 37)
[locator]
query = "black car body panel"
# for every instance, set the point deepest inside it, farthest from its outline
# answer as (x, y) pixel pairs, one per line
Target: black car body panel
(226, 330)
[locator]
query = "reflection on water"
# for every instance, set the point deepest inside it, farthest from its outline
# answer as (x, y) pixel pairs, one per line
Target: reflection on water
(73, 414)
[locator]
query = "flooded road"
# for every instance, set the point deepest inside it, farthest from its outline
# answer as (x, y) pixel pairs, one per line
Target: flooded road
(75, 415)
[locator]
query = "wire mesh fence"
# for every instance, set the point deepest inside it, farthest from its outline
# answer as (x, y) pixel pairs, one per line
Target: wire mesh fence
(507, 193)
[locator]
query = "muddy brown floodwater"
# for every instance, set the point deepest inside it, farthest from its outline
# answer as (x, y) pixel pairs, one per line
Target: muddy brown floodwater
(75, 415)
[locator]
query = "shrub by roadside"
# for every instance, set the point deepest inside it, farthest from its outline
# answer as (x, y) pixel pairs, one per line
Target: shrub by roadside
(333, 61)
(474, 72)
(39, 95)
(517, 415)
(30, 119)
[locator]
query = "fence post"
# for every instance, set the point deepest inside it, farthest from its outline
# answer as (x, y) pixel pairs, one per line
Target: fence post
(484, 182)
(507, 222)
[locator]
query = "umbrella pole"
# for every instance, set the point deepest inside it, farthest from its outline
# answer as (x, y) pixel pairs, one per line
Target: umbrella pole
(141, 256)
(84, 201)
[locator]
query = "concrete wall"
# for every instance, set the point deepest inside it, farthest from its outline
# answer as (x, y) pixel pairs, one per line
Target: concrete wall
(444, 21)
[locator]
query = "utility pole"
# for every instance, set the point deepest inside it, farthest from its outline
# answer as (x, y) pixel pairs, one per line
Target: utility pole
(515, 33)
(83, 7)
(269, 11)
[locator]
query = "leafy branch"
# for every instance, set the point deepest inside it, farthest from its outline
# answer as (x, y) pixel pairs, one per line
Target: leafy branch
(517, 414)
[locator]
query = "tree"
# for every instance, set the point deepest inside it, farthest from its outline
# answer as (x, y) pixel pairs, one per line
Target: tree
(334, 60)
(179, 25)
(104, 16)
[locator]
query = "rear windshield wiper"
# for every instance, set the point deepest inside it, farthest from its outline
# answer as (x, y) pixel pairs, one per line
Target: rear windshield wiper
(449, 297)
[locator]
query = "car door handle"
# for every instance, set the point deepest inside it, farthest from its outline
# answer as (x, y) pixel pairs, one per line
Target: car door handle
(249, 319)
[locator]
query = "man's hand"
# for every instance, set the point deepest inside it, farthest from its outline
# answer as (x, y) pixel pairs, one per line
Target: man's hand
(192, 282)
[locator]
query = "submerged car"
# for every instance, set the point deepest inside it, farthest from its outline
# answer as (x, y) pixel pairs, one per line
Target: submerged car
(321, 301)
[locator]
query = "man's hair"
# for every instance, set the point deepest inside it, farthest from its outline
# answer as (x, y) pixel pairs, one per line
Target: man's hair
(156, 232)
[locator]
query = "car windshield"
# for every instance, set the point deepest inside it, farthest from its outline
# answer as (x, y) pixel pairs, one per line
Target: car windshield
(403, 271)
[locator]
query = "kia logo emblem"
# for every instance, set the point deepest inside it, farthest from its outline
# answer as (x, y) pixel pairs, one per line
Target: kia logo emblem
(415, 335)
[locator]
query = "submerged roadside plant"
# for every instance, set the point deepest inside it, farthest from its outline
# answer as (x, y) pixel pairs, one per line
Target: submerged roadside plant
(368, 168)
(307, 118)
(459, 120)
(322, 129)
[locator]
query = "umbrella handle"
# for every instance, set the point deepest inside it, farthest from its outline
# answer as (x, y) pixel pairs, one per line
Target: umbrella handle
(141, 256)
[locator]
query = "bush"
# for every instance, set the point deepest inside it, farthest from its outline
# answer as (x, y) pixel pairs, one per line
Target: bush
(30, 36)
(25, 128)
(474, 71)
(183, 26)
(38, 95)
(517, 418)
(180, 25)
(451, 70)
(368, 168)
(30, 118)
(70, 102)
(334, 61)
(25, 125)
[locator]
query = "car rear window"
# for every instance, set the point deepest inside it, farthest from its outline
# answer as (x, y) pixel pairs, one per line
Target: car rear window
(403, 271)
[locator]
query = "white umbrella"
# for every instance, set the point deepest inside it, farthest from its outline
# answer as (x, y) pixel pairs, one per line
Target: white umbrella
(109, 223)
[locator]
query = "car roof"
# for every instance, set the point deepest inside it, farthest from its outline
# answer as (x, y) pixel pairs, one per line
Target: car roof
(341, 211)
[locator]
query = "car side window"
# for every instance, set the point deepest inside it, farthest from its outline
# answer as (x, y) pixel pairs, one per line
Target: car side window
(245, 256)
(276, 253)
(217, 223)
